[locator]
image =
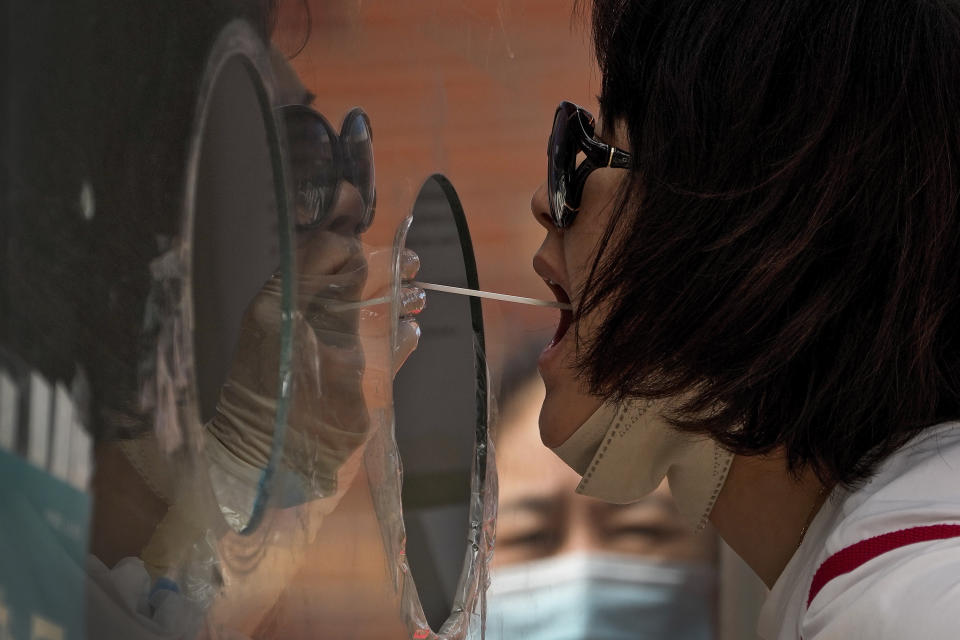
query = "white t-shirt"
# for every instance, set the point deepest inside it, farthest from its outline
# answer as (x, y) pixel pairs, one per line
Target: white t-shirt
(912, 592)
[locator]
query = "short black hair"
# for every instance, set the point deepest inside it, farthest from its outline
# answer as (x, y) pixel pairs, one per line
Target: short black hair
(786, 247)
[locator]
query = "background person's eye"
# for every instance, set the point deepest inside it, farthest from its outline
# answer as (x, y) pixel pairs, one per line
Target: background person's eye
(654, 532)
(527, 544)
(642, 538)
(539, 539)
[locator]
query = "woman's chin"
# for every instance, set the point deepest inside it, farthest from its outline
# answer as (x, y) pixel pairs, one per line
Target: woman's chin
(563, 413)
(549, 434)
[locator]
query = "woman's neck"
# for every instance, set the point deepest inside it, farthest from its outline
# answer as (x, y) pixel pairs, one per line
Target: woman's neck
(763, 512)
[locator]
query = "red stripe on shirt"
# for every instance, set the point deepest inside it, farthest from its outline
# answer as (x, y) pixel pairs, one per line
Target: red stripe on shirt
(852, 557)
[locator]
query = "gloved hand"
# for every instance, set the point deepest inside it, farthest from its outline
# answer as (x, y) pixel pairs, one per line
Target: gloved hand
(344, 356)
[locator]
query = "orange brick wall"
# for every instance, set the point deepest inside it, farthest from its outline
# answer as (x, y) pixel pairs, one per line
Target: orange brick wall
(463, 87)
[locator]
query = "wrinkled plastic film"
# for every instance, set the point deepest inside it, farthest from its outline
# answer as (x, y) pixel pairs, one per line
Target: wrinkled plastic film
(475, 577)
(464, 618)
(384, 467)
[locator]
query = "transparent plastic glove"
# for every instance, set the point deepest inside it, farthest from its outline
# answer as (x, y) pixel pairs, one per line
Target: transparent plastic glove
(328, 418)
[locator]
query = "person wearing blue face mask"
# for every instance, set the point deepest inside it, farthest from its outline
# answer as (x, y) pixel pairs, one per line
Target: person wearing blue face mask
(570, 567)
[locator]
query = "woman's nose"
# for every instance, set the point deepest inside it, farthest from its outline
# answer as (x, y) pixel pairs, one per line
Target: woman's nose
(540, 207)
(548, 258)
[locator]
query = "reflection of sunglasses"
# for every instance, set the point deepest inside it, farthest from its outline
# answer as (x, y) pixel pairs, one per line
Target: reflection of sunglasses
(573, 133)
(320, 160)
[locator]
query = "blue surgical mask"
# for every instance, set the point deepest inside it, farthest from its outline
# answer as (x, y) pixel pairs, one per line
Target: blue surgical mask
(601, 596)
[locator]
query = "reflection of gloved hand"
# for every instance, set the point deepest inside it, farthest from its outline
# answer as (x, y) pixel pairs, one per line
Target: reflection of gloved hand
(328, 418)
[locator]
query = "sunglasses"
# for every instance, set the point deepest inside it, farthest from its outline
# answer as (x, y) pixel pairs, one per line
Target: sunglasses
(573, 133)
(320, 161)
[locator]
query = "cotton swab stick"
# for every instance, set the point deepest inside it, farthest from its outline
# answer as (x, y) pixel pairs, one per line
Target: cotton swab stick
(359, 304)
(443, 288)
(565, 306)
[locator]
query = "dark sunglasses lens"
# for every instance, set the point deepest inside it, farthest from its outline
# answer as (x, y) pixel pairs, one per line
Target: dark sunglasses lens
(312, 162)
(561, 158)
(356, 138)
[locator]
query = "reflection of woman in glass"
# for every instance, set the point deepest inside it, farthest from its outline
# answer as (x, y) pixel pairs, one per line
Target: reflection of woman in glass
(114, 284)
(760, 238)
(569, 566)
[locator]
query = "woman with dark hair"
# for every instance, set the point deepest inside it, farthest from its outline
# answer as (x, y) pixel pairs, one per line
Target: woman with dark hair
(760, 240)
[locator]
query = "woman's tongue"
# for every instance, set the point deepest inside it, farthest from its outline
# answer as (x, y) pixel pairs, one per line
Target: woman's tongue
(565, 318)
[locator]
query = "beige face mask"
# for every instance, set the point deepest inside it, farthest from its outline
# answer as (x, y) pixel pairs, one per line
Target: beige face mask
(623, 452)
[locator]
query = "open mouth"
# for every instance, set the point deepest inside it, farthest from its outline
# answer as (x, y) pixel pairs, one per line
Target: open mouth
(566, 316)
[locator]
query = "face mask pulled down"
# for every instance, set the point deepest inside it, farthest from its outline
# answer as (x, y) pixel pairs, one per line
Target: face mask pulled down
(624, 450)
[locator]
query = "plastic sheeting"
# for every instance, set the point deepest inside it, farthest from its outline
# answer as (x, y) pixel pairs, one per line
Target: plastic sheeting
(449, 478)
